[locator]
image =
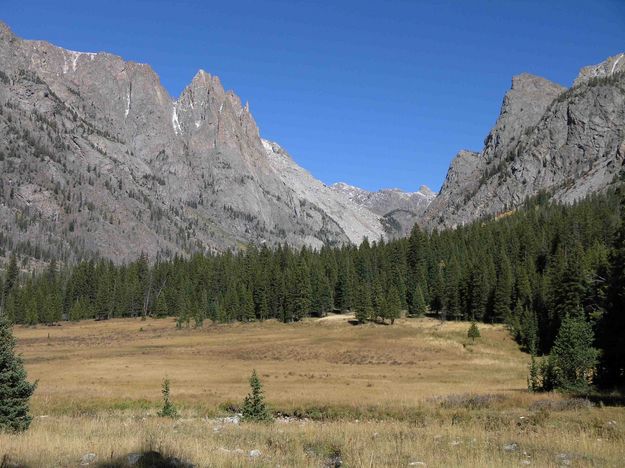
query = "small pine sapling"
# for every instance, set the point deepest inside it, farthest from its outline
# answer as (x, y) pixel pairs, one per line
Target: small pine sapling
(169, 410)
(254, 407)
(473, 332)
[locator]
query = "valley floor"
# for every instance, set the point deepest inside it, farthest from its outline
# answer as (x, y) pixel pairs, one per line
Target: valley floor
(417, 393)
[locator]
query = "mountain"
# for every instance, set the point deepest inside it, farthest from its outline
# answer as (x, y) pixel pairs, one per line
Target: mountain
(354, 220)
(565, 143)
(97, 159)
(399, 210)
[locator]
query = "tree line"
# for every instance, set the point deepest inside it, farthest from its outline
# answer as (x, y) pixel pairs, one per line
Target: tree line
(531, 269)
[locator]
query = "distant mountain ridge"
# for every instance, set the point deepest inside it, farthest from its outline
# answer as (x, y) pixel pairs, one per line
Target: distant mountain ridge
(400, 210)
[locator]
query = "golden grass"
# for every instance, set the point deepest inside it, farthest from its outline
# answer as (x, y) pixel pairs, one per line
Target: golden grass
(378, 393)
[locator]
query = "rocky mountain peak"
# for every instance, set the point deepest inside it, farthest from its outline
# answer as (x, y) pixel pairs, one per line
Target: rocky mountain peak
(608, 67)
(6, 33)
(546, 139)
(426, 191)
(523, 106)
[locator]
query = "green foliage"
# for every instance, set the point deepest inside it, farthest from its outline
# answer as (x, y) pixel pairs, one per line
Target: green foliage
(254, 407)
(473, 331)
(533, 379)
(573, 355)
(168, 410)
(363, 304)
(15, 390)
(611, 334)
(393, 305)
(418, 307)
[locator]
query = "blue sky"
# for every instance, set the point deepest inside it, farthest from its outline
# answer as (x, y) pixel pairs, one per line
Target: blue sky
(374, 93)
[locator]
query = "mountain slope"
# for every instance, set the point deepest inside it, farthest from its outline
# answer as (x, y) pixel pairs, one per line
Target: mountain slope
(567, 143)
(97, 158)
(354, 220)
(400, 210)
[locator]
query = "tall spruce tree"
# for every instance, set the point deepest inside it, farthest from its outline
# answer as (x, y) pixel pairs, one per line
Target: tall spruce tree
(418, 307)
(573, 355)
(363, 306)
(15, 390)
(611, 367)
(393, 305)
(503, 290)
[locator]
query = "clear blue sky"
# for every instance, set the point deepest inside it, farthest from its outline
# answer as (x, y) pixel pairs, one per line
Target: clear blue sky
(375, 93)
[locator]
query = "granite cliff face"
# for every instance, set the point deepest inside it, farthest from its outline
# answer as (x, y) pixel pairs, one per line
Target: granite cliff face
(399, 210)
(566, 143)
(97, 158)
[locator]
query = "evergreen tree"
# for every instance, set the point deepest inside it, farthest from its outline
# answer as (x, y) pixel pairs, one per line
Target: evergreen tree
(473, 332)
(393, 305)
(246, 305)
(15, 390)
(321, 300)
(254, 408)
(611, 367)
(379, 302)
(502, 295)
(452, 302)
(11, 276)
(364, 305)
(419, 307)
(345, 285)
(478, 293)
(299, 301)
(168, 410)
(573, 355)
(533, 380)
(160, 305)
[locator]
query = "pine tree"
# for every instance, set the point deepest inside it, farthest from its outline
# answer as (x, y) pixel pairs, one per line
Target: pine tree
(168, 410)
(477, 293)
(611, 367)
(379, 302)
(573, 355)
(452, 291)
(503, 289)
(419, 307)
(254, 408)
(393, 305)
(473, 332)
(364, 306)
(299, 292)
(11, 276)
(15, 390)
(160, 306)
(533, 378)
(246, 307)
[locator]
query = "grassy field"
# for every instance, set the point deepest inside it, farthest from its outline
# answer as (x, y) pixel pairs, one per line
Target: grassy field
(418, 392)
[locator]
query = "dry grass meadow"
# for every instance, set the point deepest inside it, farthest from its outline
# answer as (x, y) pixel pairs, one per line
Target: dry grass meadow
(417, 393)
